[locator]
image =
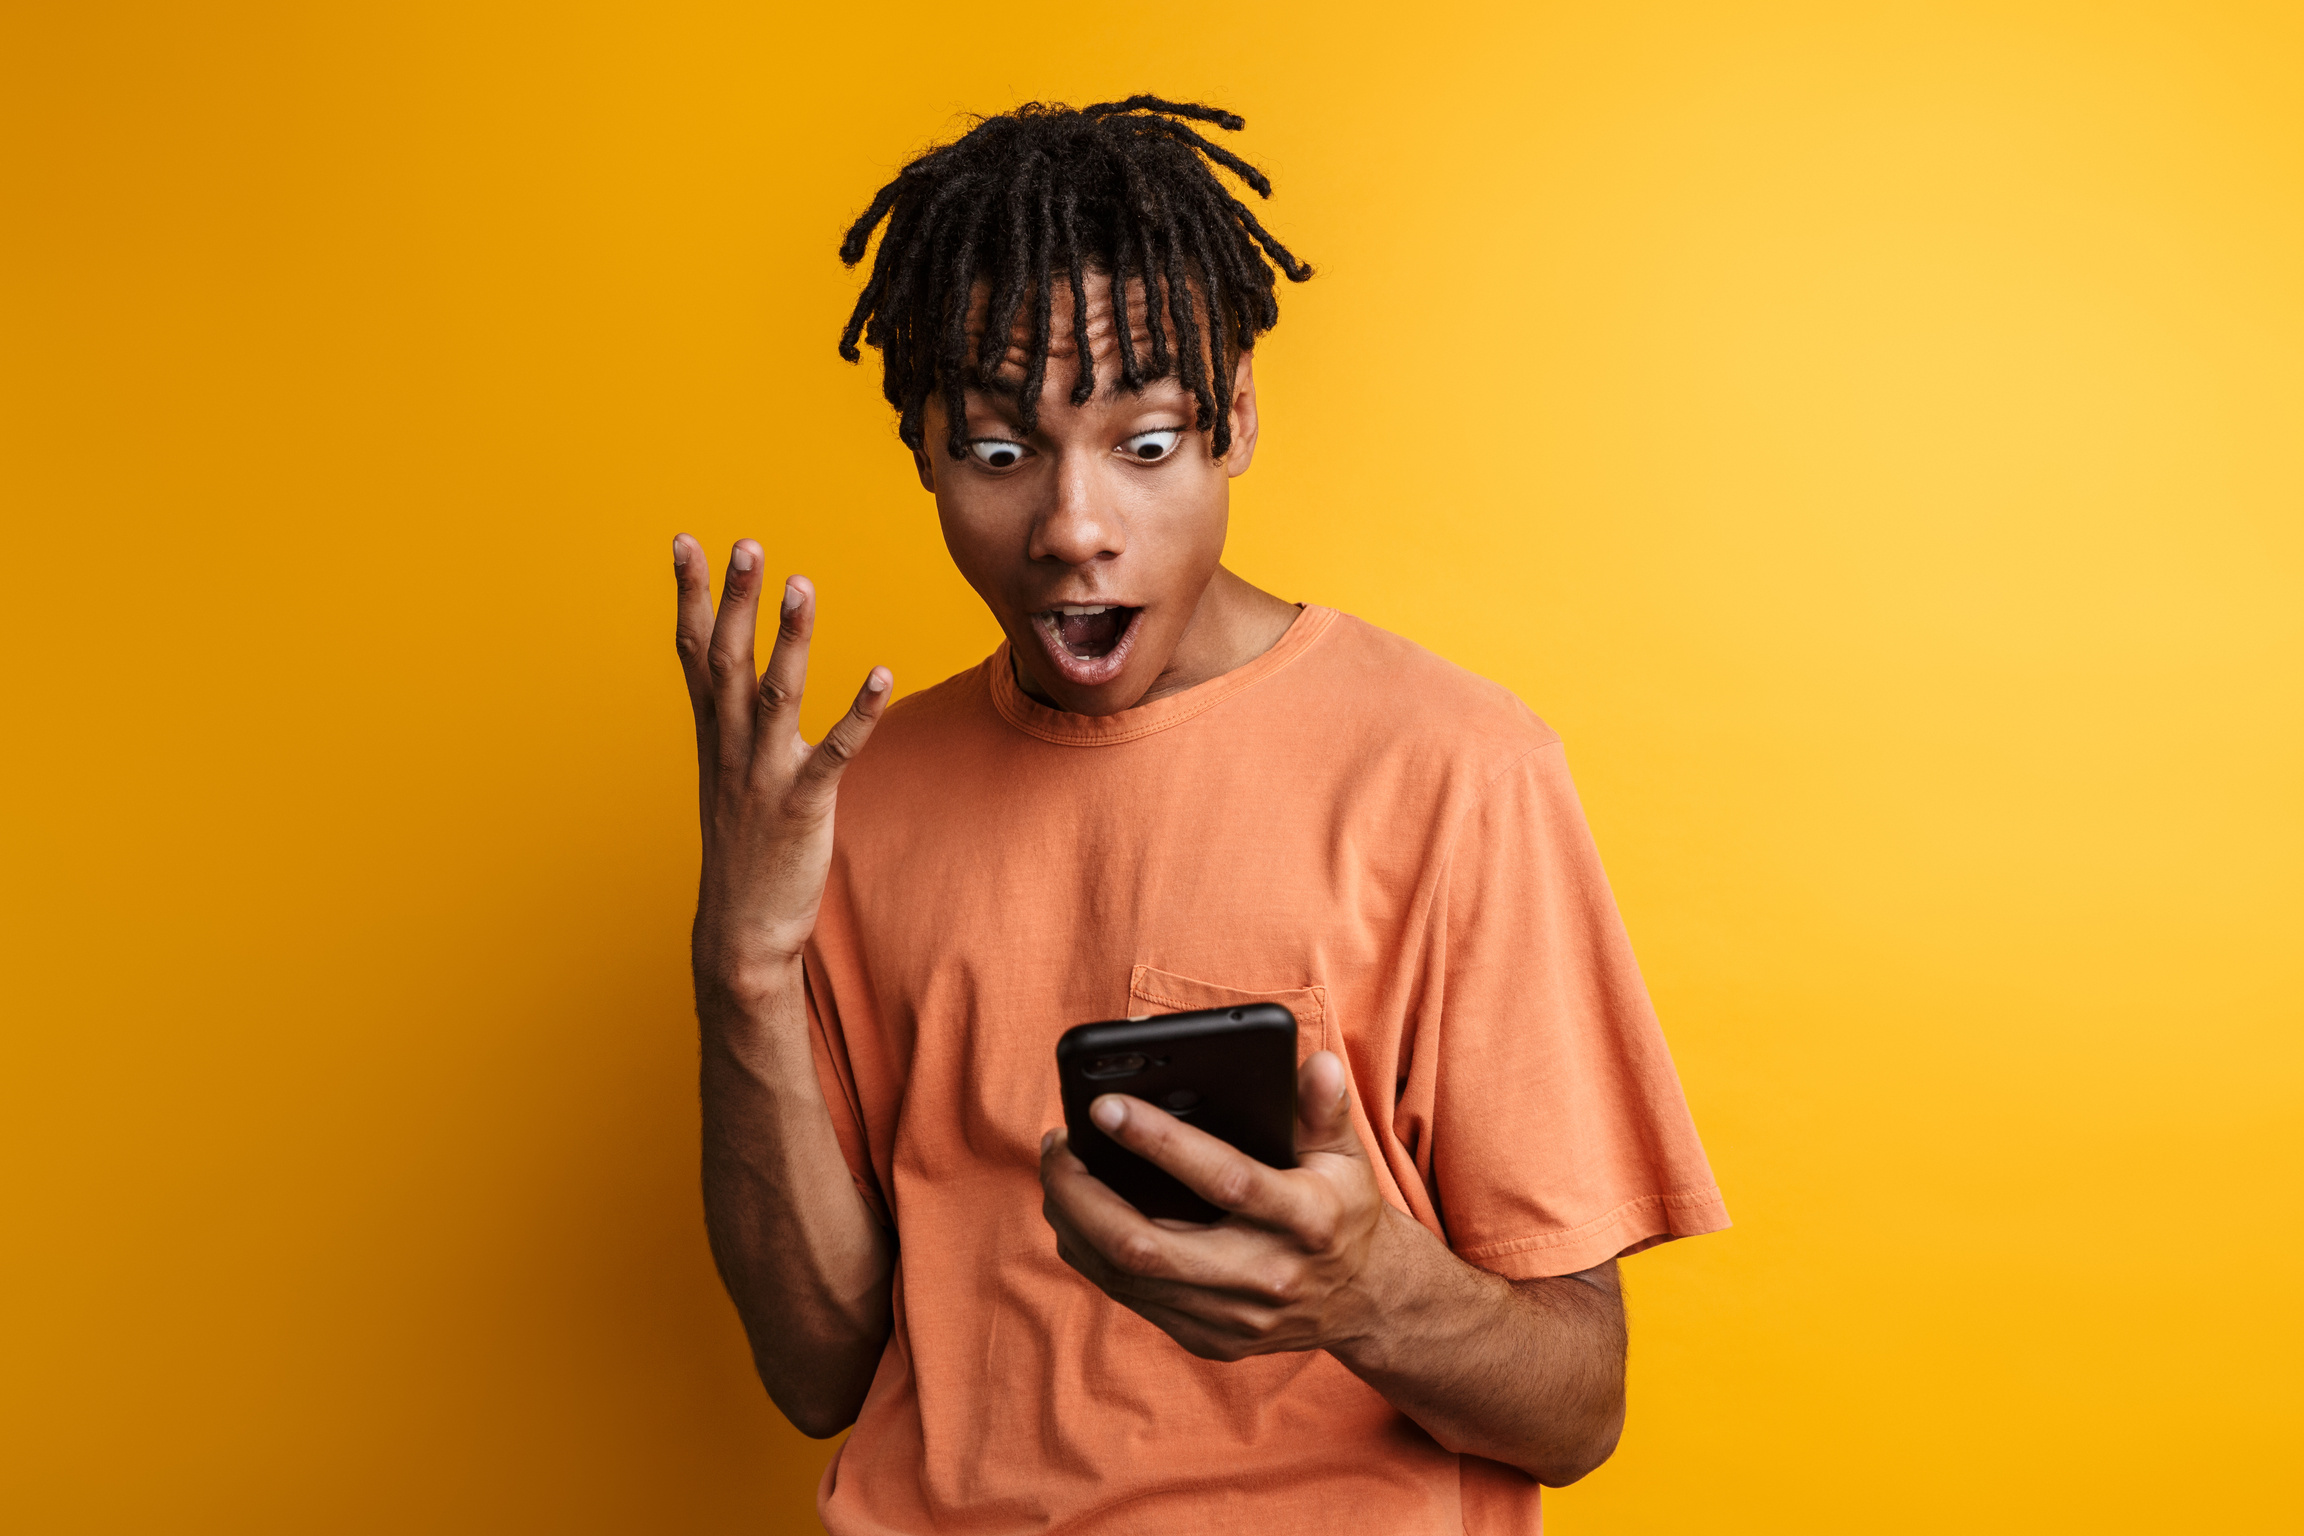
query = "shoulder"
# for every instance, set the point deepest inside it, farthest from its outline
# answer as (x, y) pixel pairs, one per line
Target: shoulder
(1381, 685)
(960, 696)
(922, 727)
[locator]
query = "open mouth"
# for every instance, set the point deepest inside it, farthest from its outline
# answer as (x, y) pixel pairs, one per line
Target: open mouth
(1088, 642)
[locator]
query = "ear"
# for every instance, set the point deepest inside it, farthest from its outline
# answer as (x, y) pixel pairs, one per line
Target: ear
(933, 425)
(1243, 412)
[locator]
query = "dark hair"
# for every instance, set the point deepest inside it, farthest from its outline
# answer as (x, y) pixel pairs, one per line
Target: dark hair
(1123, 188)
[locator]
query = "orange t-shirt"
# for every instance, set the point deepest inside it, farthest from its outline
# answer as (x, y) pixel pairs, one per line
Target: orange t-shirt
(1347, 825)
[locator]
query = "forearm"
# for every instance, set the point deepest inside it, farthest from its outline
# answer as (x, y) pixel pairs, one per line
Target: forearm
(1530, 1373)
(806, 1264)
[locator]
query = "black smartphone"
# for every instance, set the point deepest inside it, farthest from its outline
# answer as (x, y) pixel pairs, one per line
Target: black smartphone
(1229, 1071)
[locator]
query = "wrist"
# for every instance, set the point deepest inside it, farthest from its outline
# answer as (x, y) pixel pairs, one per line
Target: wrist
(1408, 1295)
(1392, 1295)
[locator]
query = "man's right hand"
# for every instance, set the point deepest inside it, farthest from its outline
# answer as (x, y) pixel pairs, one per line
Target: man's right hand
(805, 1262)
(765, 795)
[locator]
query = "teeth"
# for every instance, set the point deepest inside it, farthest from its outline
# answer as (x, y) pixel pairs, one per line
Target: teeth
(1074, 611)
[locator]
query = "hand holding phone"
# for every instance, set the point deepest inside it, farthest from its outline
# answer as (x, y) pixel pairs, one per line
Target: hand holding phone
(1304, 1257)
(1228, 1071)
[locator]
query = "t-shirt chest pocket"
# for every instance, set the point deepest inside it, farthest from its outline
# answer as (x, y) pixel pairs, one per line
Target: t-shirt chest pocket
(1153, 991)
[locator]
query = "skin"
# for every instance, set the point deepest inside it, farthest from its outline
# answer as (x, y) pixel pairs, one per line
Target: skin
(1079, 519)
(1527, 1372)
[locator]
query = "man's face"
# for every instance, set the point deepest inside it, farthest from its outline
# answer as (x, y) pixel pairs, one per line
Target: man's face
(1093, 537)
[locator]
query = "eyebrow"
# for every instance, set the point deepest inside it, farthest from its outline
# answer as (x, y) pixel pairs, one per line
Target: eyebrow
(1001, 406)
(991, 404)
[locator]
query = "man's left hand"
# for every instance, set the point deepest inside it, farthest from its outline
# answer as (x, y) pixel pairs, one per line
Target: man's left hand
(1297, 1263)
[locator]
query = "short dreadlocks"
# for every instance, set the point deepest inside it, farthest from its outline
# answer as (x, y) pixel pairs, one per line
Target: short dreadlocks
(1123, 188)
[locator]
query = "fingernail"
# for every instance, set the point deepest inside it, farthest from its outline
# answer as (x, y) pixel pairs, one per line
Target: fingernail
(1108, 1113)
(741, 559)
(679, 554)
(878, 680)
(793, 597)
(1047, 1140)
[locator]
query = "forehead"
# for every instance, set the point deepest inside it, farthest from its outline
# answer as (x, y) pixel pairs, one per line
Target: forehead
(1064, 333)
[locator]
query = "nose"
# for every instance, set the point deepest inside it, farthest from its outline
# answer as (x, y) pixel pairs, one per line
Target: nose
(1081, 527)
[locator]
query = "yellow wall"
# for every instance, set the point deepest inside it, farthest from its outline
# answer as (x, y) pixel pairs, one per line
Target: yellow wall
(1870, 434)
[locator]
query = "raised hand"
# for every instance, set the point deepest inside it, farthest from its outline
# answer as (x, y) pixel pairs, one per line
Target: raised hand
(805, 1263)
(764, 795)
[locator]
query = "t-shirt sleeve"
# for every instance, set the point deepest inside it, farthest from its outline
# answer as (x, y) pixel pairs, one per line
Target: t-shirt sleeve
(836, 1076)
(1548, 1120)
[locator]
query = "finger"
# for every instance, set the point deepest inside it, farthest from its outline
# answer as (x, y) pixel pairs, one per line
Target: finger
(1211, 1304)
(820, 775)
(1073, 1246)
(1121, 1250)
(785, 677)
(728, 658)
(1323, 1115)
(1097, 1232)
(1209, 1323)
(1216, 1171)
(1237, 1259)
(692, 619)
(1211, 1338)
(1056, 1152)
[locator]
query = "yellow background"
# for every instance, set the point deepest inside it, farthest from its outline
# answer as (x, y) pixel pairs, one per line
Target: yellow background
(1868, 433)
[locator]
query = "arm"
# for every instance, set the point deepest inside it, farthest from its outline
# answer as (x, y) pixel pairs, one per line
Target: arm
(1530, 1373)
(804, 1261)
(1527, 1372)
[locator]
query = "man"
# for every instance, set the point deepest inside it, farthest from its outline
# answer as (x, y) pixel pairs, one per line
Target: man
(1167, 790)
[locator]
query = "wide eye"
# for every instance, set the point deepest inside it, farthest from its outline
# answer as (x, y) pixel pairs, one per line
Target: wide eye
(996, 452)
(1151, 447)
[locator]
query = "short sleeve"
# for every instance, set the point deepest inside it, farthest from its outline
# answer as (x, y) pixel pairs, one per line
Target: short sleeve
(1547, 1119)
(837, 1078)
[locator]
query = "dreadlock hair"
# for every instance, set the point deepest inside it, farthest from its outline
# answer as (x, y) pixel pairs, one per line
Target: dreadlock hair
(1123, 188)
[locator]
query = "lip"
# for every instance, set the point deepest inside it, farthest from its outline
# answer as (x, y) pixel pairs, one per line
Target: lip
(1087, 671)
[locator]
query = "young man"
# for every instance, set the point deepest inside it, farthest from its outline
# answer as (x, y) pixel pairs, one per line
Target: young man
(1167, 790)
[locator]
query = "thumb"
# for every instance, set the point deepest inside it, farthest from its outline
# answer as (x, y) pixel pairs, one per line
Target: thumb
(1323, 1116)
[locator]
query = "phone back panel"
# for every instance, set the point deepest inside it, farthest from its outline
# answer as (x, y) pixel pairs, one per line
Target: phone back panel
(1229, 1071)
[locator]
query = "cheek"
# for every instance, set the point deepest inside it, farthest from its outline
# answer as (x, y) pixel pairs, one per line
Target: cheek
(976, 539)
(1191, 509)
